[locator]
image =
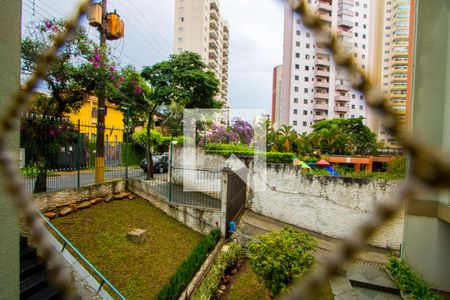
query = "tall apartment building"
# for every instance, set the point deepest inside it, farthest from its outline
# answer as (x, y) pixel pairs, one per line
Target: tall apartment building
(395, 60)
(313, 88)
(276, 95)
(200, 28)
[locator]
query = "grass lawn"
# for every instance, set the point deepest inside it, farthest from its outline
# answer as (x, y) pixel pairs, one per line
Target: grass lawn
(138, 271)
(248, 287)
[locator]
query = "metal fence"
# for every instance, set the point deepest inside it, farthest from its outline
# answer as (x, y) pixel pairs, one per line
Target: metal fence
(58, 154)
(193, 187)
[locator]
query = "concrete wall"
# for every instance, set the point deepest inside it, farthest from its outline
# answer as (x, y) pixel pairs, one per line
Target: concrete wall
(328, 205)
(202, 220)
(10, 18)
(50, 201)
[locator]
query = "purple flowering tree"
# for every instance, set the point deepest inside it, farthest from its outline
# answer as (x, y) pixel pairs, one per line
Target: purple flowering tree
(240, 132)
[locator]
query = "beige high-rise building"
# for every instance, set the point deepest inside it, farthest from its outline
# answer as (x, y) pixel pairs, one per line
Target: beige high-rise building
(200, 28)
(395, 60)
(313, 88)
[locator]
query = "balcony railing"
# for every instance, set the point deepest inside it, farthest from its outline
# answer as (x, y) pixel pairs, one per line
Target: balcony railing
(214, 15)
(349, 2)
(346, 12)
(322, 62)
(319, 118)
(322, 84)
(345, 23)
(342, 98)
(343, 87)
(213, 24)
(320, 106)
(322, 73)
(321, 96)
(324, 6)
(325, 17)
(341, 109)
(348, 34)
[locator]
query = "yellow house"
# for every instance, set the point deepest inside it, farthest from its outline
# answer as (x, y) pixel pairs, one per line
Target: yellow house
(87, 116)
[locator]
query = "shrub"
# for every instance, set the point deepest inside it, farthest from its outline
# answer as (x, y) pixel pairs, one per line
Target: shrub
(187, 270)
(408, 281)
(224, 261)
(397, 167)
(281, 258)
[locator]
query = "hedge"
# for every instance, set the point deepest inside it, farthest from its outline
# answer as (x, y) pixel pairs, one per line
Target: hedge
(187, 270)
(224, 261)
(271, 157)
(409, 282)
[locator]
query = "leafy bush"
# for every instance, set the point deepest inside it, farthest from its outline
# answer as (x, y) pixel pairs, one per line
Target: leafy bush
(224, 261)
(281, 258)
(215, 146)
(408, 281)
(397, 167)
(187, 270)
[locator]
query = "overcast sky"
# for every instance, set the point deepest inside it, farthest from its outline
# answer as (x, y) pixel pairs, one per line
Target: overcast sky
(256, 32)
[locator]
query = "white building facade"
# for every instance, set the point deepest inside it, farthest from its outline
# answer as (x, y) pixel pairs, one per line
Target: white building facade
(313, 88)
(199, 27)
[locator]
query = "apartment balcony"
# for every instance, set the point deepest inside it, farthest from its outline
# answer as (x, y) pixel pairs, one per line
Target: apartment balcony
(343, 87)
(322, 73)
(322, 62)
(349, 2)
(345, 23)
(214, 4)
(214, 15)
(320, 106)
(325, 6)
(213, 64)
(213, 44)
(225, 59)
(346, 12)
(344, 33)
(400, 63)
(321, 96)
(225, 52)
(319, 118)
(342, 98)
(213, 34)
(213, 24)
(321, 84)
(341, 109)
(326, 18)
(213, 54)
(226, 43)
(322, 51)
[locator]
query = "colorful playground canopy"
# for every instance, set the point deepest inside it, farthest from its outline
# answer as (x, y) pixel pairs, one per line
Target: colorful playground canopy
(322, 162)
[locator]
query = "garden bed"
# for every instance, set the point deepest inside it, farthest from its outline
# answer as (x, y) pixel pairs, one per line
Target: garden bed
(139, 271)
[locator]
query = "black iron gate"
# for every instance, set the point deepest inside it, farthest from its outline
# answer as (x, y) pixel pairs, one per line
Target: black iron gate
(236, 195)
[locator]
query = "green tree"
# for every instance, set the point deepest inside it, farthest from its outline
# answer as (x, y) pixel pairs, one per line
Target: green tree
(287, 136)
(183, 79)
(344, 136)
(281, 258)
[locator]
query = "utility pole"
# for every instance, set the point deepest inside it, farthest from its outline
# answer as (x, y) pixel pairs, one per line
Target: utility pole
(100, 144)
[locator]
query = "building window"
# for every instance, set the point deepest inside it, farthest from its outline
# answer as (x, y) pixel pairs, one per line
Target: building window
(298, 32)
(361, 107)
(356, 14)
(361, 97)
(180, 40)
(295, 123)
(353, 96)
(365, 26)
(305, 101)
(305, 124)
(296, 89)
(305, 112)
(308, 34)
(356, 45)
(307, 56)
(297, 44)
(180, 29)
(295, 100)
(297, 77)
(307, 46)
(299, 21)
(364, 36)
(297, 66)
(306, 68)
(364, 46)
(295, 111)
(356, 34)
(306, 90)
(353, 106)
(297, 55)
(306, 79)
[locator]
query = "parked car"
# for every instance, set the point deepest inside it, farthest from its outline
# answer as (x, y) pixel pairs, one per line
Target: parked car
(160, 164)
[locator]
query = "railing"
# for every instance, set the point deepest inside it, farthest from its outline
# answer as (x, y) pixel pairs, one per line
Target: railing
(84, 259)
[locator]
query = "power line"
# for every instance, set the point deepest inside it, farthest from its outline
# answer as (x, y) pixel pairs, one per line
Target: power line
(151, 25)
(142, 34)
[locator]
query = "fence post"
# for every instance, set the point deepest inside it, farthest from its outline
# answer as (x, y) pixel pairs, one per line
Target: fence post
(78, 154)
(170, 169)
(127, 114)
(224, 202)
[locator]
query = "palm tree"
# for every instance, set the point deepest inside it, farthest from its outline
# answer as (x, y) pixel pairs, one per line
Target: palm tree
(287, 136)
